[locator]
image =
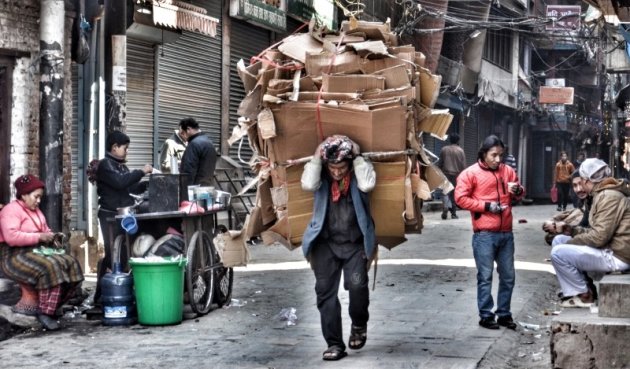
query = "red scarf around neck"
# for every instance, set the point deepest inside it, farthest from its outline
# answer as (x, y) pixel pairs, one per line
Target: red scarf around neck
(339, 188)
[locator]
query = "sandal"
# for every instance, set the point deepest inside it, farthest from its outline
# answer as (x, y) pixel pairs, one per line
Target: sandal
(334, 353)
(358, 336)
(24, 309)
(575, 302)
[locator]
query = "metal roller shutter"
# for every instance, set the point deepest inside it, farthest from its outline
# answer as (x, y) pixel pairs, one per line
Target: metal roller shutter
(76, 167)
(246, 41)
(140, 83)
(189, 77)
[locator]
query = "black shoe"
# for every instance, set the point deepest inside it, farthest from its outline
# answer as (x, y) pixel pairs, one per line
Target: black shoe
(444, 215)
(454, 216)
(489, 323)
(507, 322)
(48, 322)
(559, 208)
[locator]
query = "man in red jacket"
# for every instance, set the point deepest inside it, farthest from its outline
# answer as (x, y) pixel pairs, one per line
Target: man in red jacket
(487, 189)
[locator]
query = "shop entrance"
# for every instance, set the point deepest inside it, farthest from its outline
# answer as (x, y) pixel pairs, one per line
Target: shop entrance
(6, 76)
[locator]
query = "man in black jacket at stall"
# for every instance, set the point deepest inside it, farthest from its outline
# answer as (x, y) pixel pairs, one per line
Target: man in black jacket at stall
(114, 184)
(200, 157)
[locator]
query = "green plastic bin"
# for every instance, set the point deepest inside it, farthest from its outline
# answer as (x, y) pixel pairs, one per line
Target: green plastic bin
(159, 290)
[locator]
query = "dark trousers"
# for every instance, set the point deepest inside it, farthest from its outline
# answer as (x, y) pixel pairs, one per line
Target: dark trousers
(328, 261)
(108, 244)
(563, 194)
(451, 195)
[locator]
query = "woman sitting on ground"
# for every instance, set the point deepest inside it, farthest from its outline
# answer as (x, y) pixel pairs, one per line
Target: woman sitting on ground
(23, 229)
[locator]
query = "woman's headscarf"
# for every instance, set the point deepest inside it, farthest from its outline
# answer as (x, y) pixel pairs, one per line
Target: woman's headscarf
(337, 149)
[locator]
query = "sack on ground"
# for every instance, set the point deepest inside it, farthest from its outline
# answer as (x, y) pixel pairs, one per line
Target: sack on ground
(168, 245)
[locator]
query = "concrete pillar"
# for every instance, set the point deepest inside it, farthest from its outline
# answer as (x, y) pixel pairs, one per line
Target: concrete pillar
(115, 65)
(226, 27)
(51, 85)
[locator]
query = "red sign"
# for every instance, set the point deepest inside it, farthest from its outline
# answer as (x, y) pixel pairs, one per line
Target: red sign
(555, 95)
(564, 17)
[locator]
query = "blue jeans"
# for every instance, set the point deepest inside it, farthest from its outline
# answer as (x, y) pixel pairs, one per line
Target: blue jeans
(489, 247)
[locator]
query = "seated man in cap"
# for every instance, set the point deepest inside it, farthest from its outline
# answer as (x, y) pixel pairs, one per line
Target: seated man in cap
(602, 247)
(565, 221)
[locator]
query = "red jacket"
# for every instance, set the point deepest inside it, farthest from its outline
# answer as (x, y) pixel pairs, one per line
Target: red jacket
(478, 186)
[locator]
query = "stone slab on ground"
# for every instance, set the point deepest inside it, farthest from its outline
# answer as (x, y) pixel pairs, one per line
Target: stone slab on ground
(614, 292)
(581, 339)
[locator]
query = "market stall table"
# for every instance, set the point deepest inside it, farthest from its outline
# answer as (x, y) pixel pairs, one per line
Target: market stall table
(206, 279)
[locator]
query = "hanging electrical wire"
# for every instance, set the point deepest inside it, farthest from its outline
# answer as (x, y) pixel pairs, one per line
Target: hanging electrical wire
(414, 12)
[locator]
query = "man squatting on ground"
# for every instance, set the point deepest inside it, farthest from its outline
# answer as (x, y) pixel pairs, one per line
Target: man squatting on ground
(340, 237)
(604, 246)
(487, 188)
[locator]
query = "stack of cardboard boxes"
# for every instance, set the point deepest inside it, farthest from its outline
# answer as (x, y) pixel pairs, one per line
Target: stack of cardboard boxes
(359, 83)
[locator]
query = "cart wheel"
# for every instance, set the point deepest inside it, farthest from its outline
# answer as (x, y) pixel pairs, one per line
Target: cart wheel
(199, 273)
(224, 278)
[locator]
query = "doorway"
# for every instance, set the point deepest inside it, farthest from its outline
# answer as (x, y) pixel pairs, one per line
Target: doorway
(6, 76)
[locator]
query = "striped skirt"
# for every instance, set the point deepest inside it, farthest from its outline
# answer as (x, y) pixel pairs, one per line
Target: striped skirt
(43, 272)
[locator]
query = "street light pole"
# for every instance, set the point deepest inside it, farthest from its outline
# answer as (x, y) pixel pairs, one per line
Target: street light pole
(51, 89)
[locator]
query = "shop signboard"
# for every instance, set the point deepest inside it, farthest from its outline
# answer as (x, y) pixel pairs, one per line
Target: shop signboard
(565, 17)
(555, 95)
(260, 13)
(324, 10)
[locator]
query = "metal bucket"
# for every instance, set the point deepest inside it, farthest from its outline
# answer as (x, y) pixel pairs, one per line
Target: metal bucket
(223, 198)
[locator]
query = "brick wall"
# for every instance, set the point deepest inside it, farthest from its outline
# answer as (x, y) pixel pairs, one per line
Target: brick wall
(19, 34)
(19, 30)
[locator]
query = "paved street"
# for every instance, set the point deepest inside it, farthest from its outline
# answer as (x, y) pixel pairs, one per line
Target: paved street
(423, 315)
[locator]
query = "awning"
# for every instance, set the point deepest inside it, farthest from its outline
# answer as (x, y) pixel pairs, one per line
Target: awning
(180, 15)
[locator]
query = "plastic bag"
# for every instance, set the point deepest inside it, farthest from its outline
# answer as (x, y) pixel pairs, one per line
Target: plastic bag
(554, 194)
(289, 315)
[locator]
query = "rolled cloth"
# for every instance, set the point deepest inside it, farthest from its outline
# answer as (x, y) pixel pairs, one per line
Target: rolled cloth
(337, 149)
(594, 170)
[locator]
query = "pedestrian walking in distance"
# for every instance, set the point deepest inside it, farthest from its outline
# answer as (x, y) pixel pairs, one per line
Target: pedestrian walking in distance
(487, 188)
(562, 179)
(340, 238)
(452, 162)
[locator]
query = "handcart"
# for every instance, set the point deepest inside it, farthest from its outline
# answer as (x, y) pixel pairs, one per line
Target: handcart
(208, 284)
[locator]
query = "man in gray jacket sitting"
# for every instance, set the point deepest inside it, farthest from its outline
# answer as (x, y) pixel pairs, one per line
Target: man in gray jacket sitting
(604, 246)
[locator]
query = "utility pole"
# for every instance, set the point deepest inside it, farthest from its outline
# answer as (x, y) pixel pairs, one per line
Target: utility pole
(51, 89)
(115, 64)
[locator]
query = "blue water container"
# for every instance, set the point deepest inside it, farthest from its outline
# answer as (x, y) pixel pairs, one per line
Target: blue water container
(117, 298)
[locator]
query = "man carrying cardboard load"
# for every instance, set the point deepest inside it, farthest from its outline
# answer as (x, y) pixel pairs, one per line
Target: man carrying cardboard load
(340, 237)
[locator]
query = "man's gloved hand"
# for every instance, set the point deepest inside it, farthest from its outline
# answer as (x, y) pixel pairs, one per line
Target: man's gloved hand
(494, 207)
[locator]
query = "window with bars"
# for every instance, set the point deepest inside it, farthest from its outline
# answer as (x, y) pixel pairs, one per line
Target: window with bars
(498, 48)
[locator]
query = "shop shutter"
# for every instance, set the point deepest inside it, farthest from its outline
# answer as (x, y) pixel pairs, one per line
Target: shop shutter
(140, 67)
(189, 77)
(75, 140)
(246, 41)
